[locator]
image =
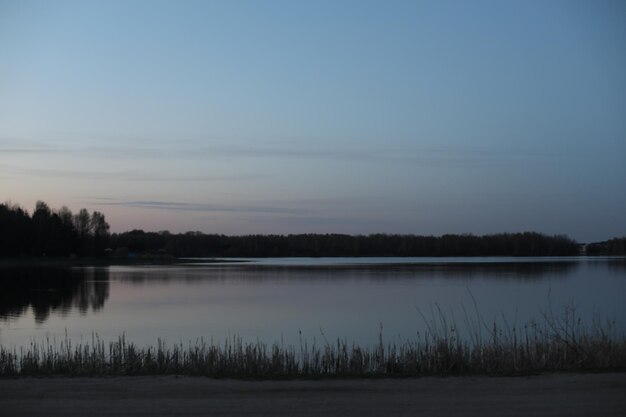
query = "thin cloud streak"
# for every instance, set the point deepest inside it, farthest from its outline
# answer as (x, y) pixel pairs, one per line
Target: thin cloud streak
(201, 207)
(122, 175)
(450, 155)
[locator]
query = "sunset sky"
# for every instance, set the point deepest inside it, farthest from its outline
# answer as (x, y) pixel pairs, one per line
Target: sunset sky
(238, 117)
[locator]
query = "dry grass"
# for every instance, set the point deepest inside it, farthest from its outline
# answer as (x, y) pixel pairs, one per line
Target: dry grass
(555, 343)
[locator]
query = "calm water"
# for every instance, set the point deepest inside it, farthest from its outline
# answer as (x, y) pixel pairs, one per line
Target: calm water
(273, 300)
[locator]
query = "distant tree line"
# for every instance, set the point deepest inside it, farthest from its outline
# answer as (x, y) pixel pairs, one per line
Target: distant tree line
(62, 233)
(196, 244)
(50, 232)
(616, 246)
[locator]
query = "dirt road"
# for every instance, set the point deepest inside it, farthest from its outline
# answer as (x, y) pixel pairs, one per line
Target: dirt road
(544, 395)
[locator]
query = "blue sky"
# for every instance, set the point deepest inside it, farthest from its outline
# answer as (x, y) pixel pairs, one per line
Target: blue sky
(239, 117)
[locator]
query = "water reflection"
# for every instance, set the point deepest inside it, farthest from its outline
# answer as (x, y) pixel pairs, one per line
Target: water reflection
(516, 271)
(64, 291)
(274, 302)
(60, 290)
(51, 290)
(617, 265)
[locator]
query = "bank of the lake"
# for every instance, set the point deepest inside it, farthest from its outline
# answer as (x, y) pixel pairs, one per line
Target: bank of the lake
(550, 395)
(556, 344)
(69, 262)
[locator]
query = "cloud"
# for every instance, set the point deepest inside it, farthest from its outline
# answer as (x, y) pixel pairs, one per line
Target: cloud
(198, 207)
(29, 150)
(198, 149)
(121, 175)
(186, 151)
(206, 149)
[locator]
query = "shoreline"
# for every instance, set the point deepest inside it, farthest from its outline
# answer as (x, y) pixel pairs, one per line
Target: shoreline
(67, 262)
(100, 262)
(539, 395)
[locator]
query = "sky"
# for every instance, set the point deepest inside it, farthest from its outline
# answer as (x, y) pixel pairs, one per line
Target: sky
(245, 117)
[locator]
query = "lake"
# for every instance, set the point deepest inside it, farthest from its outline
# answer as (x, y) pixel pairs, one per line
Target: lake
(283, 300)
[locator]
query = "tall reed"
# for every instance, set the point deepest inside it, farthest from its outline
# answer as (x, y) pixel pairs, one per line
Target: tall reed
(555, 343)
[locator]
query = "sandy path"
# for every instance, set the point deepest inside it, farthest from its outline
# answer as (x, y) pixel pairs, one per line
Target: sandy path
(545, 395)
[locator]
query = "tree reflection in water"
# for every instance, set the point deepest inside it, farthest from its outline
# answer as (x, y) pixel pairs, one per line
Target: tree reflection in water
(46, 290)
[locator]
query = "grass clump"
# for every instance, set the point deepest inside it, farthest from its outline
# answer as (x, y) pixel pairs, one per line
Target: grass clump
(563, 343)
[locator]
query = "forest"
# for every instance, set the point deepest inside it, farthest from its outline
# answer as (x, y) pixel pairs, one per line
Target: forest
(612, 247)
(195, 244)
(52, 233)
(61, 233)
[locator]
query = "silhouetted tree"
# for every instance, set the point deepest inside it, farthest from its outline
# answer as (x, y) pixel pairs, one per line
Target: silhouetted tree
(42, 227)
(16, 231)
(51, 233)
(69, 234)
(82, 223)
(100, 230)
